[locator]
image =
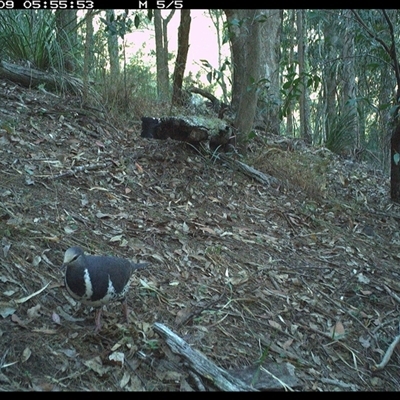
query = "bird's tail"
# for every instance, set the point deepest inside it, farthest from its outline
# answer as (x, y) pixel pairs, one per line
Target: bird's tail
(140, 265)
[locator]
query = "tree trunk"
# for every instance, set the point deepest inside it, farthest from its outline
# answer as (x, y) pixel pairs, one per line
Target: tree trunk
(395, 165)
(269, 100)
(161, 37)
(217, 20)
(180, 64)
(349, 105)
(305, 129)
(329, 75)
(244, 32)
(112, 44)
(290, 60)
(66, 22)
(88, 54)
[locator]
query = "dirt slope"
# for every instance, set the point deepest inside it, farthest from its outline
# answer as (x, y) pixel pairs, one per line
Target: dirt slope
(306, 273)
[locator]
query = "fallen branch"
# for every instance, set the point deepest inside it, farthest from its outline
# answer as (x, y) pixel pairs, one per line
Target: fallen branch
(259, 176)
(394, 295)
(81, 168)
(198, 362)
(388, 354)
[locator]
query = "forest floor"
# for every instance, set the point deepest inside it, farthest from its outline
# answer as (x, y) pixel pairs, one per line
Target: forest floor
(304, 274)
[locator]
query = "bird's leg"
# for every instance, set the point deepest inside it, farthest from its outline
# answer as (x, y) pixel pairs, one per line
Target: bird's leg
(126, 310)
(97, 319)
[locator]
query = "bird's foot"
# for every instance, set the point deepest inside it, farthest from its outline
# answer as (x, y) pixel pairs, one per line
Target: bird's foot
(98, 320)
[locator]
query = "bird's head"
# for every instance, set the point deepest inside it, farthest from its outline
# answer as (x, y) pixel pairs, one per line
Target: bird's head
(71, 255)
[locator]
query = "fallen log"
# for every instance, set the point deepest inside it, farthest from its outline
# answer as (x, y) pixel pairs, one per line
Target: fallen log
(193, 130)
(32, 78)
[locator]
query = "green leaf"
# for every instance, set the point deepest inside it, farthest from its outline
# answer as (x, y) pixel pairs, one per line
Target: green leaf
(206, 63)
(252, 135)
(137, 21)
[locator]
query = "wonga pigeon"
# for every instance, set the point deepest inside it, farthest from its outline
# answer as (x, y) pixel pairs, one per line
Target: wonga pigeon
(98, 280)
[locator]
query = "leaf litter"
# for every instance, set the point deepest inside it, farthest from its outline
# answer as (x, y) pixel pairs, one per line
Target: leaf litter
(304, 274)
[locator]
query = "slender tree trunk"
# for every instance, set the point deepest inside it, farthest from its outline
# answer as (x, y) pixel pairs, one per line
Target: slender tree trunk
(349, 105)
(329, 75)
(217, 19)
(112, 44)
(305, 128)
(180, 64)
(289, 113)
(88, 54)
(161, 37)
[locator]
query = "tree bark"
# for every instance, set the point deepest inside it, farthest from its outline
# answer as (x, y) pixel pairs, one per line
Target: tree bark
(244, 32)
(395, 165)
(289, 112)
(112, 44)
(88, 53)
(269, 100)
(180, 63)
(329, 75)
(254, 42)
(349, 105)
(161, 37)
(305, 129)
(66, 21)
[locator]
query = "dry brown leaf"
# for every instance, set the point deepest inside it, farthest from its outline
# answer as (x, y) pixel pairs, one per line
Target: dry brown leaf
(46, 331)
(337, 331)
(26, 354)
(96, 365)
(117, 358)
(287, 344)
(16, 319)
(275, 324)
(125, 380)
(25, 299)
(116, 238)
(56, 318)
(182, 315)
(6, 309)
(33, 312)
(139, 168)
